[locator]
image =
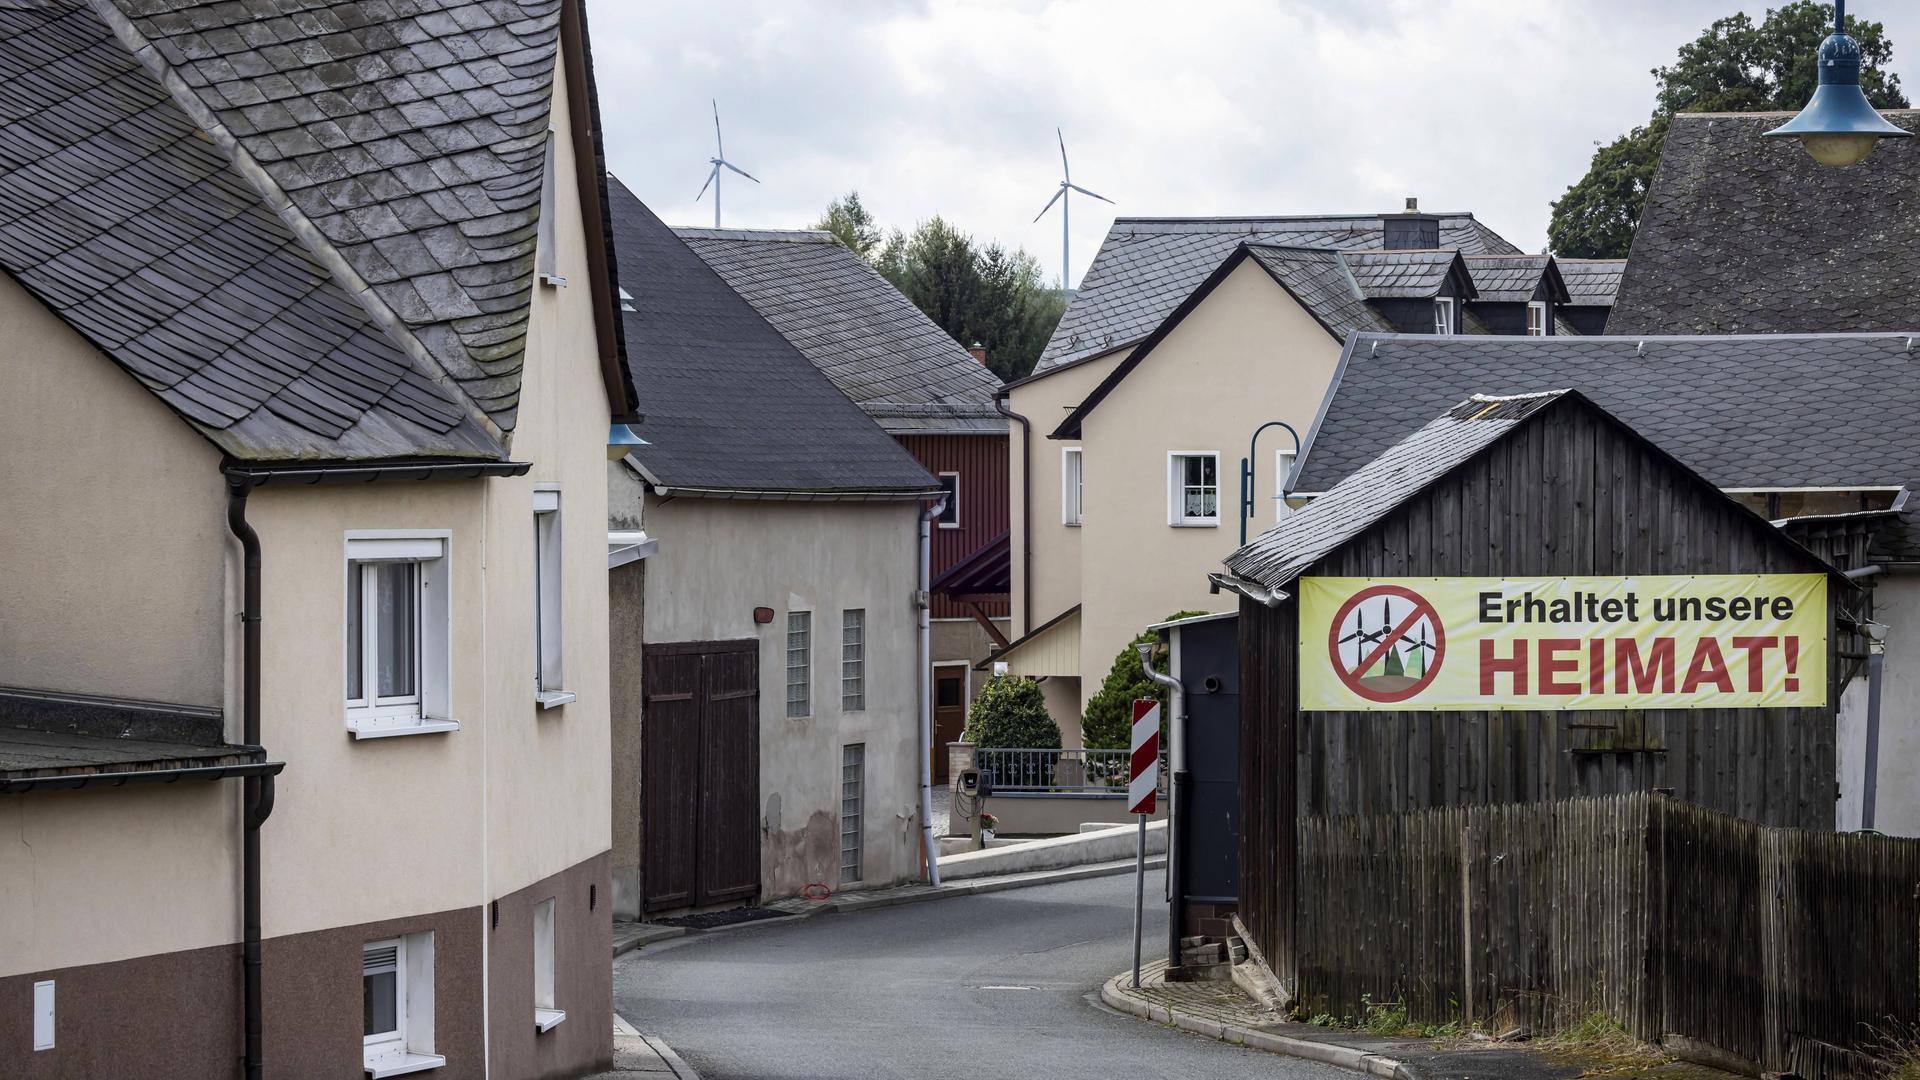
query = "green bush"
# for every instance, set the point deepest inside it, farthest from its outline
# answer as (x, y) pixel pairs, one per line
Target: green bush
(1108, 721)
(1011, 712)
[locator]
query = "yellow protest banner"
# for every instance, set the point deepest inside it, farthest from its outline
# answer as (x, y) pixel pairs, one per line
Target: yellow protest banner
(1709, 641)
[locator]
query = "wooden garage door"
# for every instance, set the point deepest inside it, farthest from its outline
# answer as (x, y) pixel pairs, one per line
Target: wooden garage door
(700, 773)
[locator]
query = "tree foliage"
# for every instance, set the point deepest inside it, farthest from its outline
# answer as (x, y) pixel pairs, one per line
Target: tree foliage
(1735, 65)
(1011, 712)
(1108, 722)
(986, 295)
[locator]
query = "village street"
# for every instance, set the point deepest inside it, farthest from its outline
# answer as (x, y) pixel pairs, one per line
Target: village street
(999, 985)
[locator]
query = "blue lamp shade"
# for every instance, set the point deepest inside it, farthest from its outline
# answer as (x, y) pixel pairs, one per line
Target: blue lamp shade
(1839, 126)
(621, 439)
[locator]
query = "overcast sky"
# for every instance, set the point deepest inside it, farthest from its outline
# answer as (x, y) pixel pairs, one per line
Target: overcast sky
(1170, 108)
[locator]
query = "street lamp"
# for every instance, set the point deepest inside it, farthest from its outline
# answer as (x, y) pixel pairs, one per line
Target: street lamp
(1246, 471)
(1839, 126)
(621, 439)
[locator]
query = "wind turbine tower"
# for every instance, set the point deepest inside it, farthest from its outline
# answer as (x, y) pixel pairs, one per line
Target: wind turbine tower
(1060, 196)
(719, 161)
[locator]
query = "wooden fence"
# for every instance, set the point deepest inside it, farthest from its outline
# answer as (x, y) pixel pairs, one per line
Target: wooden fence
(1793, 950)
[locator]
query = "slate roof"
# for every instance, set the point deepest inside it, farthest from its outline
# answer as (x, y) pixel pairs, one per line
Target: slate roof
(1590, 282)
(875, 345)
(1757, 411)
(1513, 279)
(308, 226)
(1385, 275)
(731, 405)
(1433, 449)
(1146, 266)
(1319, 279)
(1746, 235)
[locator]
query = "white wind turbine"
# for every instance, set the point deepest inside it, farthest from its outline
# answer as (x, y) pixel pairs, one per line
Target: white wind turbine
(1061, 197)
(719, 161)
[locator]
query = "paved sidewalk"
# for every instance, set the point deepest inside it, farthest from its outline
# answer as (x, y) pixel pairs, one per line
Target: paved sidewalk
(628, 936)
(1221, 1011)
(643, 1057)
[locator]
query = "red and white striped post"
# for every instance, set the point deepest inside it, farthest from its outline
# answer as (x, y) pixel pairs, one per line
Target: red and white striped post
(1143, 797)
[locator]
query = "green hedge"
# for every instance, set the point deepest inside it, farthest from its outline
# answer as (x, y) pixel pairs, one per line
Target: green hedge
(1108, 722)
(1011, 712)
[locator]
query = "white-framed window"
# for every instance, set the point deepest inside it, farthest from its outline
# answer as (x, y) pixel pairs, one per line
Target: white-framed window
(546, 1015)
(1071, 485)
(396, 996)
(1536, 318)
(1282, 468)
(853, 783)
(549, 685)
(397, 625)
(545, 256)
(853, 659)
(1443, 315)
(950, 513)
(799, 664)
(1193, 487)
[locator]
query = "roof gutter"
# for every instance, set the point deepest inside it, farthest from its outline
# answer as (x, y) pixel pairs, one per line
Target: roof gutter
(1000, 405)
(880, 495)
(1252, 590)
(261, 475)
(141, 776)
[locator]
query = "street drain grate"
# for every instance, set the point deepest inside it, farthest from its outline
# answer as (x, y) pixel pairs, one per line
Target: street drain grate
(707, 920)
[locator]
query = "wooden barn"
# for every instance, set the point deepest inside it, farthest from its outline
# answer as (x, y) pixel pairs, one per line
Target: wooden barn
(1545, 487)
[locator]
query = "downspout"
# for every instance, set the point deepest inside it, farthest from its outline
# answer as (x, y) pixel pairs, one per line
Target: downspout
(923, 598)
(1026, 509)
(257, 796)
(1176, 791)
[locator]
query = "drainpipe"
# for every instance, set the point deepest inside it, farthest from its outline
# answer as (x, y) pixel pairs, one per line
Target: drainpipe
(1026, 509)
(257, 796)
(1177, 762)
(929, 846)
(1870, 781)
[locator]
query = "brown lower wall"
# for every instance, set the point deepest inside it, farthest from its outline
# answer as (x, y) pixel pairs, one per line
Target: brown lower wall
(178, 1015)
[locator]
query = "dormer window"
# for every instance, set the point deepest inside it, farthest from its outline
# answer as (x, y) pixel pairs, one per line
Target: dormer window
(1536, 318)
(1443, 315)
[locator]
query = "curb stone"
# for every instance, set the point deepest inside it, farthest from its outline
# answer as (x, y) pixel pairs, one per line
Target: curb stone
(866, 901)
(1345, 1057)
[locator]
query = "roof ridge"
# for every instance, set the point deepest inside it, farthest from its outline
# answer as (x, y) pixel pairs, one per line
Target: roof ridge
(276, 199)
(792, 236)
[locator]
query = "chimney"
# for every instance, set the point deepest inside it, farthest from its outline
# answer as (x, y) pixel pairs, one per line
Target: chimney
(1411, 230)
(978, 352)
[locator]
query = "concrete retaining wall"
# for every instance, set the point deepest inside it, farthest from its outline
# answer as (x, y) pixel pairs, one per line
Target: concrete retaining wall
(1105, 845)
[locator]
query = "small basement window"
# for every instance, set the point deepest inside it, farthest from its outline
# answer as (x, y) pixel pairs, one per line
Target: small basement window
(1193, 487)
(548, 685)
(1443, 315)
(396, 1006)
(950, 513)
(1071, 485)
(395, 653)
(1536, 318)
(545, 1016)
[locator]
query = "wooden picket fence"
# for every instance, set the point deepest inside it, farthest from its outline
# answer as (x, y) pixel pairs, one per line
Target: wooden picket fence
(1791, 950)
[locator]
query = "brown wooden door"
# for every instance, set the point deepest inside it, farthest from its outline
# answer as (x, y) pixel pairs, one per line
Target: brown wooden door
(700, 774)
(949, 715)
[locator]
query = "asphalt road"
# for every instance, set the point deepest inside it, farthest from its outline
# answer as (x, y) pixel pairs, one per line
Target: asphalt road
(1000, 985)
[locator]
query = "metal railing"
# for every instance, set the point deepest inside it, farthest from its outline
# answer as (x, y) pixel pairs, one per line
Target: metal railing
(1058, 772)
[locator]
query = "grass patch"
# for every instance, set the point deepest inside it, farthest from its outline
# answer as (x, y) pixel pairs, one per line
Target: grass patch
(1603, 1045)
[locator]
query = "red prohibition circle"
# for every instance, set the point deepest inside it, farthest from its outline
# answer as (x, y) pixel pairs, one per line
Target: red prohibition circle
(1421, 607)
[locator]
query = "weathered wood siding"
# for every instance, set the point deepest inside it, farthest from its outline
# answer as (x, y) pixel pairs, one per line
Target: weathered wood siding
(981, 461)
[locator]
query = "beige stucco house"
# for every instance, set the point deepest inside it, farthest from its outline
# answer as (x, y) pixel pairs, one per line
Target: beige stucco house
(303, 635)
(1187, 336)
(772, 705)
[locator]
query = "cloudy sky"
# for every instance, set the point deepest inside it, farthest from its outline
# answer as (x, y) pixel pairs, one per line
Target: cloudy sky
(1170, 107)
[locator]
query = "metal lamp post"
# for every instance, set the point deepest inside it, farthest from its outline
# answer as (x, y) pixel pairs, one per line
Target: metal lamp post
(1839, 126)
(1246, 471)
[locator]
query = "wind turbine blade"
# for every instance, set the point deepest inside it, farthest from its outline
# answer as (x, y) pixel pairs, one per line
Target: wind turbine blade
(708, 184)
(739, 170)
(1095, 194)
(1056, 198)
(1064, 171)
(718, 149)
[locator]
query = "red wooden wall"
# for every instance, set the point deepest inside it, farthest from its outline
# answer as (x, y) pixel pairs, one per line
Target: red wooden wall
(981, 461)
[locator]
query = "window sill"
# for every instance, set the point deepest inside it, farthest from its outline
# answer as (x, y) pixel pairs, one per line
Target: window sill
(1196, 523)
(401, 1062)
(381, 729)
(545, 1020)
(1071, 524)
(553, 699)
